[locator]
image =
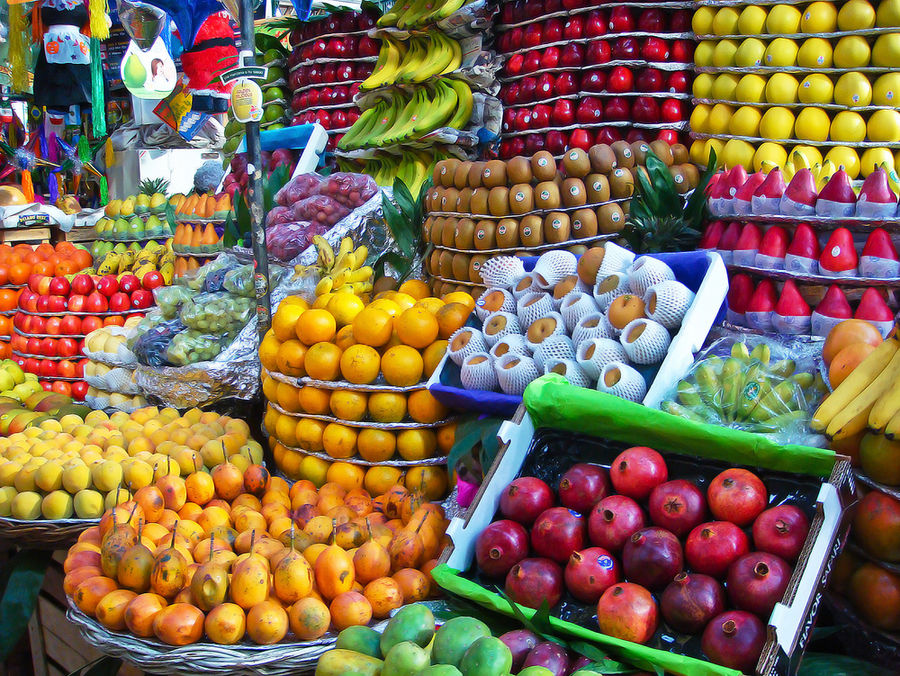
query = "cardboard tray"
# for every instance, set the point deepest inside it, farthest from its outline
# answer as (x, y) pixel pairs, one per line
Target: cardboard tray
(814, 479)
(703, 273)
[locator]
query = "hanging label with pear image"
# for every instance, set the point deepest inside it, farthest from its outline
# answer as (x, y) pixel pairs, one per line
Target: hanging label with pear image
(246, 101)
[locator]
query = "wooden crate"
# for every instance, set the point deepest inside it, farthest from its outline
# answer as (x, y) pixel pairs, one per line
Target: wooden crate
(32, 235)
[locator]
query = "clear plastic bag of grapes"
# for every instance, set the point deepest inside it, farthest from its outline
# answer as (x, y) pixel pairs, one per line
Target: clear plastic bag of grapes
(240, 280)
(320, 209)
(351, 190)
(298, 188)
(216, 312)
(151, 347)
(150, 320)
(169, 299)
(214, 280)
(191, 346)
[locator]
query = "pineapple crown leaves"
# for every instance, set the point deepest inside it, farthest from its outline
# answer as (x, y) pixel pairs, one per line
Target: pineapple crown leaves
(404, 220)
(659, 219)
(155, 185)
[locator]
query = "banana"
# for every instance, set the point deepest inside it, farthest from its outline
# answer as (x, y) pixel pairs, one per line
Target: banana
(445, 105)
(892, 429)
(413, 15)
(385, 70)
(445, 10)
(854, 384)
(732, 383)
(361, 275)
(887, 406)
(358, 128)
(383, 126)
(456, 59)
(850, 419)
(415, 58)
(465, 105)
(109, 265)
(361, 253)
(326, 253)
(407, 118)
(345, 247)
(440, 56)
(325, 285)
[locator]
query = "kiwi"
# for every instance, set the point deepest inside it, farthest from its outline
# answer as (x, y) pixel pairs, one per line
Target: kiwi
(543, 166)
(682, 185)
(434, 262)
(446, 264)
(626, 207)
(426, 229)
(507, 233)
(449, 200)
(448, 236)
(621, 183)
(485, 235)
(474, 180)
(437, 229)
(597, 186)
(476, 291)
(603, 159)
(531, 231)
(546, 195)
(461, 175)
(475, 268)
(640, 149)
(479, 202)
(691, 173)
(445, 288)
(518, 170)
(448, 171)
(680, 153)
(465, 233)
(584, 223)
(624, 154)
(436, 173)
(521, 198)
(493, 174)
(578, 249)
(574, 193)
(498, 201)
(557, 227)
(464, 201)
(436, 199)
(576, 163)
(610, 219)
(461, 267)
(663, 151)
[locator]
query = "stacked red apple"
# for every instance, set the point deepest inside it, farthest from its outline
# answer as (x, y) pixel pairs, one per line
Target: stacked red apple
(649, 552)
(55, 314)
(328, 61)
(576, 75)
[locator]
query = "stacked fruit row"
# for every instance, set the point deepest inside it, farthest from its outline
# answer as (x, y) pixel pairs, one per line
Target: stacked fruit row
(817, 74)
(235, 553)
(328, 60)
(478, 210)
(578, 75)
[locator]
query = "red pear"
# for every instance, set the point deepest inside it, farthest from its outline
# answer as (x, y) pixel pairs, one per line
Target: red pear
(740, 290)
(762, 306)
(838, 257)
(831, 311)
(803, 253)
(743, 197)
(874, 310)
(879, 257)
(837, 197)
(772, 249)
(792, 315)
(876, 199)
(711, 235)
(800, 195)
(747, 245)
(728, 240)
(767, 197)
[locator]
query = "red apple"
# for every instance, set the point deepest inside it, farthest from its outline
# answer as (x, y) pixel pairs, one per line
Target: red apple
(635, 135)
(645, 109)
(61, 387)
(141, 299)
(671, 111)
(545, 86)
(67, 347)
(532, 62)
(670, 136)
(32, 365)
(59, 286)
(680, 21)
(510, 94)
(76, 303)
(509, 119)
(114, 320)
(540, 116)
(79, 367)
(20, 320)
(553, 31)
(119, 302)
(79, 390)
(563, 113)
(47, 347)
(651, 20)
(573, 4)
(566, 84)
(574, 28)
(557, 141)
(83, 284)
(655, 50)
(620, 80)
(90, 324)
(533, 35)
(367, 46)
(533, 10)
(516, 38)
(550, 58)
(682, 51)
(528, 89)
(621, 20)
(107, 285)
(534, 143)
(56, 304)
(649, 80)
(590, 111)
(515, 64)
(581, 138)
(523, 119)
(70, 325)
(553, 6)
(617, 109)
(21, 361)
(626, 49)
(598, 52)
(129, 283)
(594, 81)
(678, 82)
(572, 55)
(46, 384)
(96, 302)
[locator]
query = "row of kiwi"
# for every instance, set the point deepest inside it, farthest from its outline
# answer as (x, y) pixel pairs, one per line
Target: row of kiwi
(556, 227)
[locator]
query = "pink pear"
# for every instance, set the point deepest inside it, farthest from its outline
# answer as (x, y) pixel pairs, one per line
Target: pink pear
(743, 205)
(800, 195)
(837, 197)
(711, 235)
(767, 197)
(879, 257)
(838, 257)
(740, 290)
(772, 249)
(831, 311)
(792, 314)
(762, 306)
(803, 254)
(717, 195)
(728, 241)
(874, 310)
(876, 199)
(747, 245)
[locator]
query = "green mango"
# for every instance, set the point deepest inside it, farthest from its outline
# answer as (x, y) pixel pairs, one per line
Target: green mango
(454, 638)
(405, 659)
(488, 656)
(360, 640)
(412, 623)
(440, 670)
(344, 662)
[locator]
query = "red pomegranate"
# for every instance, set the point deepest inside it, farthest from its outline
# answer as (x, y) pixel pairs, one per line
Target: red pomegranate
(652, 557)
(583, 486)
(876, 526)
(500, 546)
(637, 471)
(782, 531)
(557, 533)
(691, 601)
(628, 611)
(734, 639)
(613, 520)
(757, 581)
(532, 581)
(713, 546)
(524, 500)
(737, 495)
(590, 572)
(551, 656)
(520, 642)
(677, 506)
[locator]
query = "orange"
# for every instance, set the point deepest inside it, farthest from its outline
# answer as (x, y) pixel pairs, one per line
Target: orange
(284, 322)
(402, 366)
(19, 272)
(388, 305)
(460, 297)
(299, 301)
(268, 351)
(403, 300)
(446, 435)
(430, 480)
(431, 304)
(316, 326)
(387, 407)
(314, 400)
(424, 408)
(625, 309)
(416, 327)
(339, 441)
(376, 445)
(432, 356)
(451, 318)
(348, 405)
(416, 444)
(5, 325)
(846, 333)
(846, 360)
(309, 434)
(344, 307)
(290, 358)
(373, 327)
(345, 475)
(360, 364)
(8, 299)
(415, 288)
(344, 337)
(286, 396)
(380, 479)
(323, 361)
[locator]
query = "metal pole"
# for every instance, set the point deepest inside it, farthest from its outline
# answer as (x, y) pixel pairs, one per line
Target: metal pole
(254, 185)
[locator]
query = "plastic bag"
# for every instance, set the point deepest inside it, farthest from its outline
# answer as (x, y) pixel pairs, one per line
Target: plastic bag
(351, 190)
(190, 347)
(150, 320)
(240, 280)
(278, 215)
(754, 383)
(286, 240)
(169, 299)
(320, 209)
(215, 279)
(216, 312)
(150, 348)
(298, 188)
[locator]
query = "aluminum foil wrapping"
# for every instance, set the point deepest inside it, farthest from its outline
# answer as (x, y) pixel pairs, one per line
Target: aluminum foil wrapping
(365, 225)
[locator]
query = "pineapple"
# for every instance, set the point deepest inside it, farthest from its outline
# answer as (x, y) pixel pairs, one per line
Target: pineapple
(152, 186)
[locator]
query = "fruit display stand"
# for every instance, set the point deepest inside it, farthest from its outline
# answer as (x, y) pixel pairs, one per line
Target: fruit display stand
(559, 417)
(583, 73)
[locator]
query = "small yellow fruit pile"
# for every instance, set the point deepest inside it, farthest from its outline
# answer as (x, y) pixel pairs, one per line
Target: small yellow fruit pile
(231, 554)
(74, 467)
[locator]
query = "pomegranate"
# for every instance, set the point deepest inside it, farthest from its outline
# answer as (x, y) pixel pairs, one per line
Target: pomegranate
(583, 486)
(737, 495)
(520, 642)
(781, 531)
(757, 581)
(557, 533)
(589, 572)
(628, 611)
(677, 506)
(613, 520)
(637, 471)
(524, 500)
(500, 546)
(652, 557)
(734, 639)
(580, 663)
(876, 526)
(531, 581)
(551, 656)
(713, 546)
(691, 601)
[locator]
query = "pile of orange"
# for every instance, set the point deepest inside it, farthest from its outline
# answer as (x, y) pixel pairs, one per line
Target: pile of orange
(229, 554)
(19, 262)
(846, 345)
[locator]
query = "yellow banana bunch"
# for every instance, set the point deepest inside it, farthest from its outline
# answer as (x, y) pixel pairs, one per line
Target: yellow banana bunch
(345, 270)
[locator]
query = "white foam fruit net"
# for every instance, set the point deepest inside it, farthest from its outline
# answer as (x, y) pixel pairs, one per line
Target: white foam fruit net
(670, 301)
(514, 372)
(553, 266)
(475, 344)
(651, 344)
(553, 347)
(595, 353)
(647, 271)
(492, 320)
(477, 372)
(569, 370)
(624, 381)
(502, 271)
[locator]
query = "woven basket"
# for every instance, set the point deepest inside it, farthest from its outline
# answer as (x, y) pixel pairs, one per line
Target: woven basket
(43, 534)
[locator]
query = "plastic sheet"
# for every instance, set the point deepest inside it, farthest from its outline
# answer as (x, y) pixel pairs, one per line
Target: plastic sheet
(169, 299)
(151, 347)
(192, 346)
(216, 313)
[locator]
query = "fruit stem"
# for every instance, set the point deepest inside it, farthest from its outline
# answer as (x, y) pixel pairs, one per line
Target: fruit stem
(729, 627)
(761, 569)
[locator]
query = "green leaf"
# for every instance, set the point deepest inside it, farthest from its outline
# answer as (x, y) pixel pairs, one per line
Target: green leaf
(404, 199)
(400, 230)
(490, 443)
(276, 181)
(22, 578)
(231, 236)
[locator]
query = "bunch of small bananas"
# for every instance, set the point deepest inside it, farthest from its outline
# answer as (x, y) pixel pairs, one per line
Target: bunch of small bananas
(411, 13)
(424, 57)
(139, 262)
(343, 271)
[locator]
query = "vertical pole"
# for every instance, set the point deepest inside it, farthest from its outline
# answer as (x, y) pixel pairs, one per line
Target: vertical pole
(254, 185)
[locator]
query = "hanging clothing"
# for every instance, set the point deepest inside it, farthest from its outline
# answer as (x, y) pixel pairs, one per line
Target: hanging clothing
(62, 76)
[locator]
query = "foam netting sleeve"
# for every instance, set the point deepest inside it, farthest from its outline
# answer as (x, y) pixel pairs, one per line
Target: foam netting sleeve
(559, 329)
(583, 332)
(671, 300)
(480, 375)
(602, 352)
(515, 378)
(553, 347)
(508, 305)
(533, 306)
(514, 343)
(553, 267)
(651, 345)
(520, 293)
(475, 344)
(630, 384)
(576, 305)
(605, 298)
(502, 271)
(512, 327)
(615, 259)
(647, 271)
(570, 370)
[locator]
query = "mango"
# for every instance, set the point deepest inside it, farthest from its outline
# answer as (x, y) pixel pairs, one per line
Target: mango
(454, 638)
(405, 659)
(412, 623)
(343, 662)
(488, 656)
(360, 640)
(440, 670)
(544, 671)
